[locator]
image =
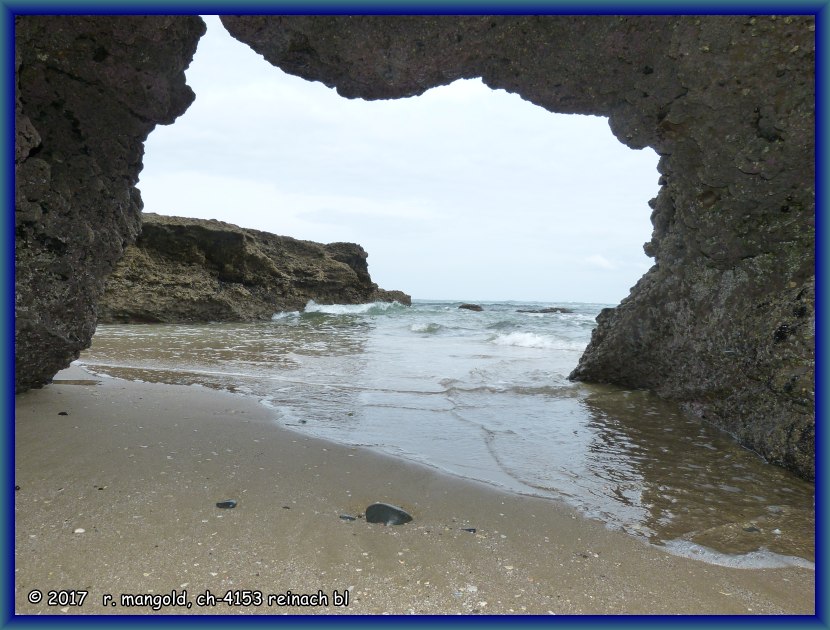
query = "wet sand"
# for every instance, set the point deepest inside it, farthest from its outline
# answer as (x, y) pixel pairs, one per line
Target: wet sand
(119, 496)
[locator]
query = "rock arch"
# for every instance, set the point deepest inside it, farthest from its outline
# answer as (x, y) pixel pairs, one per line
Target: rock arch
(724, 320)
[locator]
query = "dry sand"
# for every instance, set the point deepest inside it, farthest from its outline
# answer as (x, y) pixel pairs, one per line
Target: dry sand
(118, 495)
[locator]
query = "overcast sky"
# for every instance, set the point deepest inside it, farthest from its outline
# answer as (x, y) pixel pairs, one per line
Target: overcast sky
(462, 193)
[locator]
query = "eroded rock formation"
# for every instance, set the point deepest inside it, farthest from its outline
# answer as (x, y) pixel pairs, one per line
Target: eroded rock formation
(88, 92)
(724, 320)
(193, 270)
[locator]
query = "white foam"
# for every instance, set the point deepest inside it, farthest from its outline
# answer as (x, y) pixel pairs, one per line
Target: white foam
(349, 309)
(534, 340)
(284, 315)
(425, 328)
(761, 559)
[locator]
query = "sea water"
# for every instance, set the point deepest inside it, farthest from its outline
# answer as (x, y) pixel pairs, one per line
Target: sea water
(485, 395)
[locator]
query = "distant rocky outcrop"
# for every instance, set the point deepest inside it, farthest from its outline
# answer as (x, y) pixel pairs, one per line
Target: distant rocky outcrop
(471, 307)
(194, 270)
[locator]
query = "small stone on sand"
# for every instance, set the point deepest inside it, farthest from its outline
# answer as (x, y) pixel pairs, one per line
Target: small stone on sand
(386, 514)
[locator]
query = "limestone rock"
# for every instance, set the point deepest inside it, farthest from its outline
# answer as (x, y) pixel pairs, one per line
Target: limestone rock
(386, 295)
(194, 270)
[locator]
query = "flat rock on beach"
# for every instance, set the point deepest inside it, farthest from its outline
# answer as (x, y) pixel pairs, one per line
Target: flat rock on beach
(387, 514)
(140, 468)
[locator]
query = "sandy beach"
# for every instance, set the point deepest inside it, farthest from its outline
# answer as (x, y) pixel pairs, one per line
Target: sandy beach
(116, 490)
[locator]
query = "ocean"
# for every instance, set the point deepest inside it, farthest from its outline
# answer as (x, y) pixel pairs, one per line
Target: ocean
(485, 396)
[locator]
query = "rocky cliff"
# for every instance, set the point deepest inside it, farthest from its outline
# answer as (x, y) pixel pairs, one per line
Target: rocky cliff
(192, 270)
(724, 320)
(88, 92)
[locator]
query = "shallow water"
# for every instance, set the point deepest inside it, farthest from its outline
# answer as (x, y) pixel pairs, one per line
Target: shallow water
(485, 395)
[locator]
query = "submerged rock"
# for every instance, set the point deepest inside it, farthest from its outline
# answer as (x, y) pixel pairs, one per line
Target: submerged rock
(471, 307)
(386, 514)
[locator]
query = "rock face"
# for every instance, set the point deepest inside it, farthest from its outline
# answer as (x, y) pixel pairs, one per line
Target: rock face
(724, 320)
(88, 92)
(192, 270)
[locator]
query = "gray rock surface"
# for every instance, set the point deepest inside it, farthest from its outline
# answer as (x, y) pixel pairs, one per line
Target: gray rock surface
(723, 322)
(89, 89)
(195, 270)
(387, 514)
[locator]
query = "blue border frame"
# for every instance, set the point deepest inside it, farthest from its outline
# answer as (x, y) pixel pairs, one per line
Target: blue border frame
(434, 7)
(8, 9)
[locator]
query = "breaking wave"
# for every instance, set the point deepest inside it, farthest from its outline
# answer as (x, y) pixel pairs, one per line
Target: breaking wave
(371, 308)
(535, 340)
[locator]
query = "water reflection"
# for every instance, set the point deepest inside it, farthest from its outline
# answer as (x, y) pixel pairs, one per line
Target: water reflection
(298, 362)
(692, 482)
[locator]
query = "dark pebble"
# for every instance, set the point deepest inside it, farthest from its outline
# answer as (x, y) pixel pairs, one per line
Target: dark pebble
(286, 507)
(347, 517)
(226, 505)
(751, 529)
(63, 413)
(386, 514)
(472, 530)
(16, 488)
